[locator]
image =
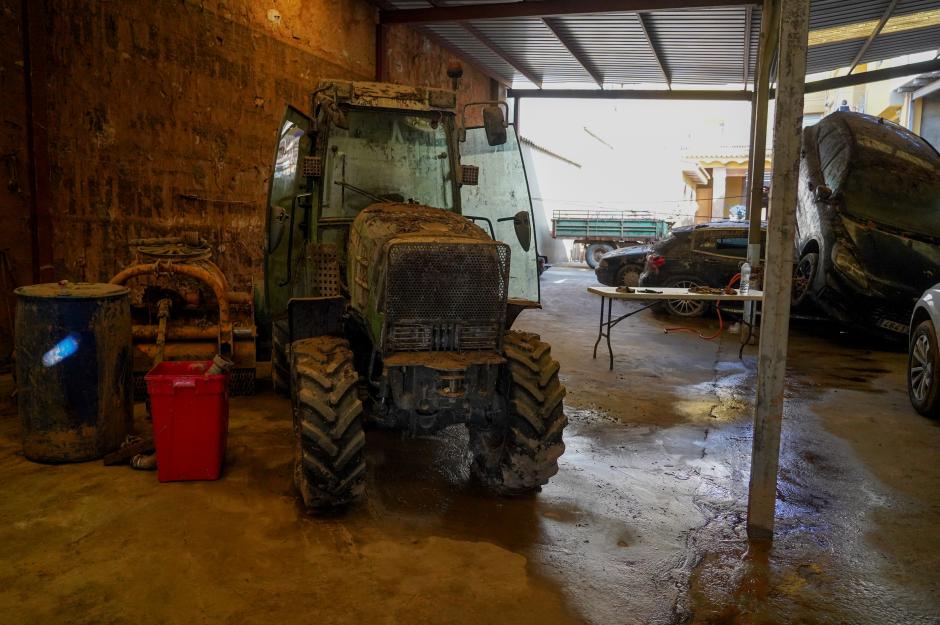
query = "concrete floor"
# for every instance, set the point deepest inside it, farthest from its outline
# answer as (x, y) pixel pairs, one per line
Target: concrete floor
(643, 524)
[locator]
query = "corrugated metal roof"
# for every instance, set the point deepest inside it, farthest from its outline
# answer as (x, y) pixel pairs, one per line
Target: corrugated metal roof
(895, 44)
(690, 47)
(831, 56)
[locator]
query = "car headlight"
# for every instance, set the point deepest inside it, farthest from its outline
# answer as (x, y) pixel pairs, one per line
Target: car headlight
(846, 262)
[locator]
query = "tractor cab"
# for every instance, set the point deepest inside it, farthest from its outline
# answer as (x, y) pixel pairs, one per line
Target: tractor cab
(372, 143)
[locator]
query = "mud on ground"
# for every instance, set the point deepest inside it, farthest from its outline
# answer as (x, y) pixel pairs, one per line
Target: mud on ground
(643, 524)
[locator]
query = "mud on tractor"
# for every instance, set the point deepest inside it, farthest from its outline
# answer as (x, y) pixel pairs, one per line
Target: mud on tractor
(399, 252)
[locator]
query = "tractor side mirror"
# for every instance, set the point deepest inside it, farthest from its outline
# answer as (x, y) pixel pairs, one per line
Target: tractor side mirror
(522, 223)
(494, 121)
(523, 226)
(494, 124)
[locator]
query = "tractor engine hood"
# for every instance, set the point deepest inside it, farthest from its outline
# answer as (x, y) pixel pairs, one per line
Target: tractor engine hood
(425, 279)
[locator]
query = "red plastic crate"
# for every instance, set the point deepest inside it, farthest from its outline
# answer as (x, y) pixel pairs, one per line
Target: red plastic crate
(190, 420)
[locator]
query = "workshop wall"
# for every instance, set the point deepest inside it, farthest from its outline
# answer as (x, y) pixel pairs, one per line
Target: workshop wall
(413, 59)
(163, 117)
(163, 114)
(15, 247)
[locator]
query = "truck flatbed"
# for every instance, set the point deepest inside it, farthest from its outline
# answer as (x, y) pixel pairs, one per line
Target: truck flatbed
(602, 231)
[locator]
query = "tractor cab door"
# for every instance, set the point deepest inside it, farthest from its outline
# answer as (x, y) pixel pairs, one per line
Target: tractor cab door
(286, 218)
(498, 204)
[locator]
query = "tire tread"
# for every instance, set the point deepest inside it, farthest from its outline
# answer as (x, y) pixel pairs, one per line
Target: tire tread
(330, 463)
(525, 456)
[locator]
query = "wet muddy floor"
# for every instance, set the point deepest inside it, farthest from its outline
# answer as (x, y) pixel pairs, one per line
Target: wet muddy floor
(643, 524)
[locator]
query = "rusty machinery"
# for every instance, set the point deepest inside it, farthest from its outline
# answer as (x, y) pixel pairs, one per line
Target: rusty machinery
(399, 252)
(183, 308)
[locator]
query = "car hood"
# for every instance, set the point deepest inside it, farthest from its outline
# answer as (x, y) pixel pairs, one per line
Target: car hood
(638, 251)
(909, 265)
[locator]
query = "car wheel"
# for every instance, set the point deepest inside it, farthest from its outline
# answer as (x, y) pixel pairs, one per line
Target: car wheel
(629, 275)
(594, 253)
(923, 370)
(684, 307)
(803, 275)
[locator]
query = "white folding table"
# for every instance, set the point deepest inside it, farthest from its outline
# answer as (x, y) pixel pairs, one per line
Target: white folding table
(653, 295)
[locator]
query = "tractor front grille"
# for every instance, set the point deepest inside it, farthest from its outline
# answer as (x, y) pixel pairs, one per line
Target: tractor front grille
(446, 296)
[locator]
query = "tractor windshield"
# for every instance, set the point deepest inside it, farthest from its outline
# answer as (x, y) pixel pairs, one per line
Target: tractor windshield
(387, 155)
(502, 193)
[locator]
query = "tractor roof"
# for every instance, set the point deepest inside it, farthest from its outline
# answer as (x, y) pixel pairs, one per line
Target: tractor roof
(388, 95)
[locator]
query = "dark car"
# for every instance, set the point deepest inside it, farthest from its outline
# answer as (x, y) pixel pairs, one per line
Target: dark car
(868, 222)
(622, 267)
(703, 255)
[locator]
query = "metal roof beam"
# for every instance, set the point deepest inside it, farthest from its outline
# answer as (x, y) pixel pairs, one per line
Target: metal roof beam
(747, 43)
(463, 56)
(572, 50)
(873, 76)
(694, 94)
(507, 82)
(489, 43)
(633, 94)
(542, 8)
(654, 48)
(881, 24)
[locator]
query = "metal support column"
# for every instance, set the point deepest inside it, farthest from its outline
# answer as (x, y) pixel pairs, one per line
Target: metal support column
(775, 323)
(768, 46)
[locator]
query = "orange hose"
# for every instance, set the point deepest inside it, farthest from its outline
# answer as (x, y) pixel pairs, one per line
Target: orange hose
(721, 323)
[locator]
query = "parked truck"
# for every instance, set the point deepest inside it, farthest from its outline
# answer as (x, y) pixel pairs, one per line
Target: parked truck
(603, 231)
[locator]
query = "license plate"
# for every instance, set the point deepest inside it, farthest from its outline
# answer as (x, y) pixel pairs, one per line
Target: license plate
(894, 326)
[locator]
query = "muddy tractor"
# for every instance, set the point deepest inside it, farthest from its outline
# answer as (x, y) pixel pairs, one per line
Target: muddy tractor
(399, 252)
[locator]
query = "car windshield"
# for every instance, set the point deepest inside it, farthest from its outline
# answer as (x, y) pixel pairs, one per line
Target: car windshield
(894, 182)
(390, 156)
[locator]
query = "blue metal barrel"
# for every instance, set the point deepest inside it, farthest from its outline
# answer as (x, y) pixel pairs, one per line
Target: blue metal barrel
(73, 370)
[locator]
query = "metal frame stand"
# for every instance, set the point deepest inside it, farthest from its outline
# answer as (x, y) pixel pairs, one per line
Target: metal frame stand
(611, 323)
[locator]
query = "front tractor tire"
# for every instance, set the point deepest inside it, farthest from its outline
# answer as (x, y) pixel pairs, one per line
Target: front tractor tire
(329, 459)
(520, 455)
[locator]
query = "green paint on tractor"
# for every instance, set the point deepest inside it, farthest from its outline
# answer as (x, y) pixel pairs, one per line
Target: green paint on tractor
(399, 251)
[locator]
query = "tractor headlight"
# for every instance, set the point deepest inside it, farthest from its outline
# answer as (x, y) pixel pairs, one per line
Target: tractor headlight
(846, 262)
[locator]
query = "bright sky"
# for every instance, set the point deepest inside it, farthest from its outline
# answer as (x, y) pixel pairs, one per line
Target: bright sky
(635, 161)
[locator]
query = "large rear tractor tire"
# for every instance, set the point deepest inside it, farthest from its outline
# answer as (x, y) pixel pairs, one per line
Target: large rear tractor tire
(329, 460)
(521, 455)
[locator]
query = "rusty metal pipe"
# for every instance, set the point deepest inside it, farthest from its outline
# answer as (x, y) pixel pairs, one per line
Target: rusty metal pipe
(203, 275)
(184, 333)
(235, 297)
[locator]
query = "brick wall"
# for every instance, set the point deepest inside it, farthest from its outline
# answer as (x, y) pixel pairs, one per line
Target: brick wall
(163, 113)
(411, 58)
(15, 247)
